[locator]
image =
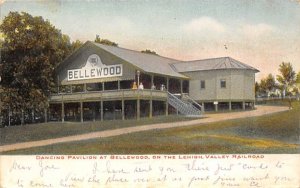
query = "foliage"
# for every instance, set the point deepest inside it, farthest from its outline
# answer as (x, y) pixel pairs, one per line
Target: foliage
(149, 52)
(31, 49)
(298, 78)
(287, 74)
(75, 45)
(266, 85)
(105, 41)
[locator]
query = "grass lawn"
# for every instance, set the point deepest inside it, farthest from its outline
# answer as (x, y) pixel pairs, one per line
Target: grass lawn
(274, 133)
(40, 131)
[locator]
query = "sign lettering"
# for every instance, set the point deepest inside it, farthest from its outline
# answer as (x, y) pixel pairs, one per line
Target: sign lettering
(94, 68)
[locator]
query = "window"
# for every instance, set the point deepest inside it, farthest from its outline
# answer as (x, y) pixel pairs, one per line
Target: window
(202, 84)
(223, 83)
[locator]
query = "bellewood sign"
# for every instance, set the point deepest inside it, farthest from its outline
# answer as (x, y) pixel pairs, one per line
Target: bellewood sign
(94, 68)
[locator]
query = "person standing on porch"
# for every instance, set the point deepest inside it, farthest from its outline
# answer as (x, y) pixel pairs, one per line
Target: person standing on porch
(134, 86)
(141, 86)
(153, 87)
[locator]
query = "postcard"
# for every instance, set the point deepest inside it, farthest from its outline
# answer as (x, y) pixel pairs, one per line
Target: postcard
(150, 93)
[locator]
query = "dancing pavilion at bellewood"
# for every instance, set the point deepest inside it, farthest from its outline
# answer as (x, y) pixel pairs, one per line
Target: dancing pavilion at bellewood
(100, 82)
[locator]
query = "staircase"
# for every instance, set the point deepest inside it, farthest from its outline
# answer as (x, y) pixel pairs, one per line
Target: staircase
(184, 107)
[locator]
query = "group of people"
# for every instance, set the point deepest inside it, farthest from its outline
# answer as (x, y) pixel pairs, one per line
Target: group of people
(141, 86)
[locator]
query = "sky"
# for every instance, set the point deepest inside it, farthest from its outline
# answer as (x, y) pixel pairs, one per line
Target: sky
(260, 33)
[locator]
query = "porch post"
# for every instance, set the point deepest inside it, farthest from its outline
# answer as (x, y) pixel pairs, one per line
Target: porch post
(216, 107)
(81, 111)
(62, 112)
(167, 108)
(101, 108)
(84, 87)
(123, 109)
(94, 112)
(181, 89)
(151, 108)
(138, 109)
(230, 106)
(152, 80)
(119, 85)
(167, 84)
(244, 105)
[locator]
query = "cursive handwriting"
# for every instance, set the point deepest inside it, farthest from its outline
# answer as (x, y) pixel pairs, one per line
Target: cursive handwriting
(18, 166)
(200, 172)
(45, 167)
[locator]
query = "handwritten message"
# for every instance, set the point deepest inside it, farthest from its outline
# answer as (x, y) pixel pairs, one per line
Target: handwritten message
(72, 171)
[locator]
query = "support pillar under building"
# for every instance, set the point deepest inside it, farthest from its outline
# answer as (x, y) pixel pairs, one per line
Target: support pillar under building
(62, 112)
(123, 109)
(151, 109)
(81, 111)
(167, 108)
(138, 109)
(101, 110)
(216, 107)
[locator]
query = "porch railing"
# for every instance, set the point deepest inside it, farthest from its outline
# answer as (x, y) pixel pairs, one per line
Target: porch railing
(109, 94)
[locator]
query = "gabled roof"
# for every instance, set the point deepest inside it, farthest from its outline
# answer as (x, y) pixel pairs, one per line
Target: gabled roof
(156, 64)
(211, 64)
(148, 62)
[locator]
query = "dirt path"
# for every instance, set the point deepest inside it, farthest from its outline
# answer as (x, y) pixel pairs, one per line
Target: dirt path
(261, 110)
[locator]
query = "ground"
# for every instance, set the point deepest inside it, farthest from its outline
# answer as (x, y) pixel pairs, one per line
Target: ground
(273, 133)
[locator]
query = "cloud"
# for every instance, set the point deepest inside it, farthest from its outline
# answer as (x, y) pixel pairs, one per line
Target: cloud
(204, 24)
(257, 30)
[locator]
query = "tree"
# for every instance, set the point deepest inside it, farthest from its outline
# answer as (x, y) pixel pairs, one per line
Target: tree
(287, 76)
(270, 84)
(298, 78)
(75, 45)
(31, 49)
(149, 52)
(104, 41)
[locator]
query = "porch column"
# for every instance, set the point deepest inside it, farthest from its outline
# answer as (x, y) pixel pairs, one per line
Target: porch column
(94, 112)
(230, 106)
(62, 112)
(123, 109)
(103, 85)
(152, 80)
(84, 87)
(244, 105)
(167, 84)
(151, 107)
(138, 110)
(45, 115)
(203, 107)
(167, 108)
(216, 107)
(81, 111)
(181, 89)
(101, 110)
(119, 87)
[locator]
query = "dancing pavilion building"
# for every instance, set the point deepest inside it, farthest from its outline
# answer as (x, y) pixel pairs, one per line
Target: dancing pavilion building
(100, 82)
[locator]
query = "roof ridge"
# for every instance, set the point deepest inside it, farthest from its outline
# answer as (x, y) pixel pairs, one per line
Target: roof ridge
(147, 54)
(191, 61)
